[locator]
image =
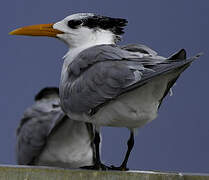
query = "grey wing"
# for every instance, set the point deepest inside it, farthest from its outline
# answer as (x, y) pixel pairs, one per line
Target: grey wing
(139, 48)
(102, 73)
(35, 127)
(102, 81)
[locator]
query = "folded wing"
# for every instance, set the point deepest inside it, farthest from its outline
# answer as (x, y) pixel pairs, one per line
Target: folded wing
(36, 125)
(102, 73)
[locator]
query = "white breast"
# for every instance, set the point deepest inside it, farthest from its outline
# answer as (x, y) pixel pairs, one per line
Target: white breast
(70, 146)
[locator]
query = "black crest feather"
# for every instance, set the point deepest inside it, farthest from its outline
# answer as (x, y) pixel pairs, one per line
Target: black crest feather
(116, 25)
(45, 92)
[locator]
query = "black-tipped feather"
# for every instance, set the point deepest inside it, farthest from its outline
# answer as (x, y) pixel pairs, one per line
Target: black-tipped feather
(179, 55)
(163, 68)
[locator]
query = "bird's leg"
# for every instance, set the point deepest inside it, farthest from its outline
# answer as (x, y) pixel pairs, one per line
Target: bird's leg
(130, 143)
(98, 165)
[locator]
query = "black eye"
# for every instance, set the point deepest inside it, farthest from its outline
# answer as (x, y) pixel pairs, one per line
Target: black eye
(74, 23)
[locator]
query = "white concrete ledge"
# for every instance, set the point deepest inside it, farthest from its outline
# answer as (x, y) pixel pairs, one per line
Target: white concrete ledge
(47, 173)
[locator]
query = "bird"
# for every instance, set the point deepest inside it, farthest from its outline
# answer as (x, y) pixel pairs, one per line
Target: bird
(47, 137)
(106, 84)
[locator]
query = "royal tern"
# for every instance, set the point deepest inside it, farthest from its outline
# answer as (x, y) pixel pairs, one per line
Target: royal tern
(47, 137)
(105, 84)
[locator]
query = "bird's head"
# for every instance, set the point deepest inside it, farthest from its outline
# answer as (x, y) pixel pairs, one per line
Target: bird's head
(46, 93)
(79, 29)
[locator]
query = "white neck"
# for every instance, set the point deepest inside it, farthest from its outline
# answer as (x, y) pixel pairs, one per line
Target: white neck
(87, 41)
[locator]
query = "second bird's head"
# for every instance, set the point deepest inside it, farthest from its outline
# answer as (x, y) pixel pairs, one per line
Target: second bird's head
(79, 29)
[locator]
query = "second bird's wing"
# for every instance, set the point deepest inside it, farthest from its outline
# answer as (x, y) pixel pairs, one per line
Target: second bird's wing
(37, 123)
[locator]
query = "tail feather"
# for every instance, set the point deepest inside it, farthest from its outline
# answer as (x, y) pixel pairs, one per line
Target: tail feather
(164, 68)
(179, 55)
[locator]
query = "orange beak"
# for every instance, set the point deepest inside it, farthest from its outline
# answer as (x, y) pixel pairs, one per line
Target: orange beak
(37, 30)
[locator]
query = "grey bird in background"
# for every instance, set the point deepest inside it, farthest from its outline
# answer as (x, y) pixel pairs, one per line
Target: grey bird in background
(105, 84)
(47, 137)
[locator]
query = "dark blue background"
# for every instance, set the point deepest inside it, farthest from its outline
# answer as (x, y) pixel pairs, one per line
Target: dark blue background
(178, 140)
